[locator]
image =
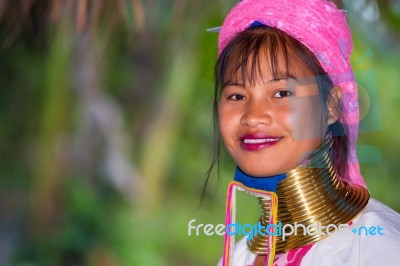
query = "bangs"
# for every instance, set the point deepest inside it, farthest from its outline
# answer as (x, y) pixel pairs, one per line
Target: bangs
(240, 61)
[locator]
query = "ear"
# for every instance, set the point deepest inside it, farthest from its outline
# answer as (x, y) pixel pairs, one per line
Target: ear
(334, 105)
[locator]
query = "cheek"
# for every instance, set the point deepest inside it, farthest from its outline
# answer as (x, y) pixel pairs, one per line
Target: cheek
(283, 117)
(226, 122)
(306, 119)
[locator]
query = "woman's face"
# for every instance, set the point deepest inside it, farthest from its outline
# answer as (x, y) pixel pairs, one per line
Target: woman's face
(271, 125)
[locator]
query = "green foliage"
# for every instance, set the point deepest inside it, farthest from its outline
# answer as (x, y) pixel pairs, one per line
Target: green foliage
(105, 136)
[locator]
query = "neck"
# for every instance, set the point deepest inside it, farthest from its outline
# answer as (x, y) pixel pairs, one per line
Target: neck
(311, 194)
(264, 183)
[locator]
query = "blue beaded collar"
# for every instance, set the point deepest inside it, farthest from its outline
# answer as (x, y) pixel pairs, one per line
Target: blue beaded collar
(269, 183)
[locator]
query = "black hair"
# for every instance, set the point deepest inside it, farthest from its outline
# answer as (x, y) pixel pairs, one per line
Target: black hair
(242, 54)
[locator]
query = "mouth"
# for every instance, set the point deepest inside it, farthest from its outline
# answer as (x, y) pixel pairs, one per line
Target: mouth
(258, 141)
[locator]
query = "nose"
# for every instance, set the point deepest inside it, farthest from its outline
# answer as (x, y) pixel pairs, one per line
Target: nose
(256, 113)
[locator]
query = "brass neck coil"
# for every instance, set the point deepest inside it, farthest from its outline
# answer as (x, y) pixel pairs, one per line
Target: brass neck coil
(310, 194)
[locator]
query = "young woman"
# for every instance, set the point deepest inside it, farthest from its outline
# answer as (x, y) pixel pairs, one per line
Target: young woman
(287, 109)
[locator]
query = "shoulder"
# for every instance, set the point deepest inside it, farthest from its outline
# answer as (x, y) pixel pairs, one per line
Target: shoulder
(376, 211)
(373, 238)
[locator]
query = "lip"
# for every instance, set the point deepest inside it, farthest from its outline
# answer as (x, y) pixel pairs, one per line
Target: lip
(258, 141)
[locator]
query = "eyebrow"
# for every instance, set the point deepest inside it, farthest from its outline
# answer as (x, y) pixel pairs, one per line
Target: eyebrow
(282, 77)
(232, 83)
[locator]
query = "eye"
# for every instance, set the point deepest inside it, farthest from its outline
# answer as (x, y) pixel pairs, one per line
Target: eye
(236, 97)
(282, 94)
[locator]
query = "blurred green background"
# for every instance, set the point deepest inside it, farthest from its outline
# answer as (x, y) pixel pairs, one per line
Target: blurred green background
(106, 132)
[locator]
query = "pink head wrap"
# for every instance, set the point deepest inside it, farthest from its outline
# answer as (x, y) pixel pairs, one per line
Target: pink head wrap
(323, 29)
